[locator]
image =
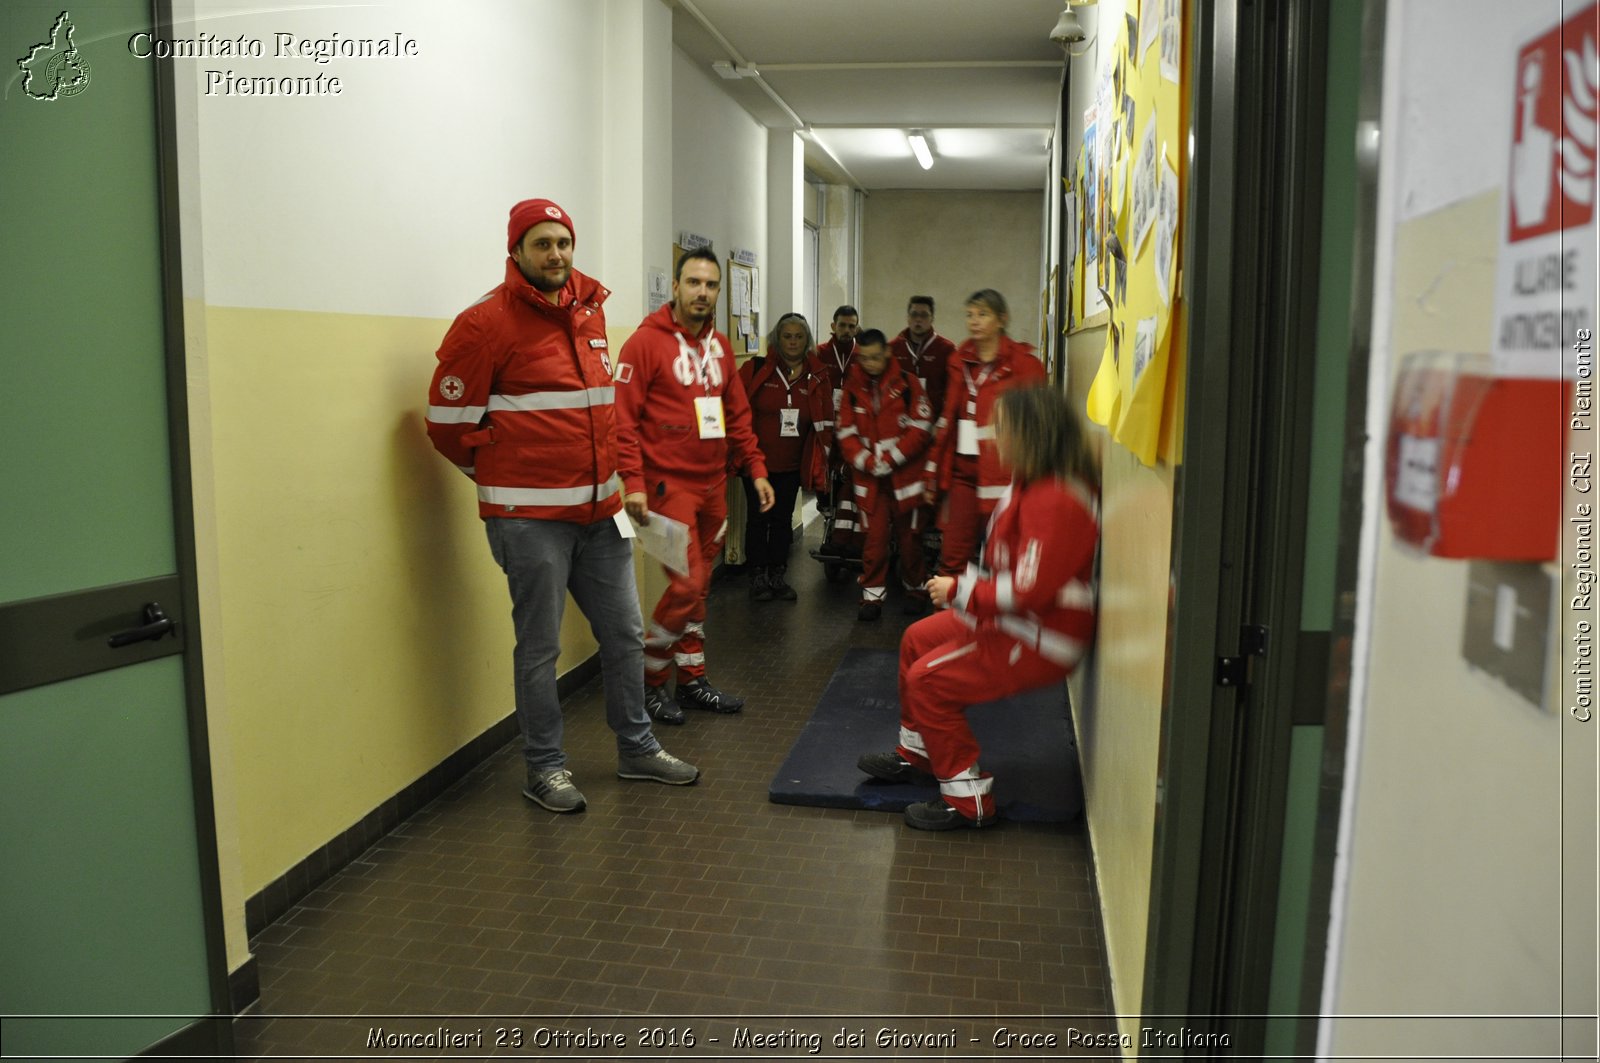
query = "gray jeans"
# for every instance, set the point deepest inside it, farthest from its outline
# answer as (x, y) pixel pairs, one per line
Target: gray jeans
(543, 560)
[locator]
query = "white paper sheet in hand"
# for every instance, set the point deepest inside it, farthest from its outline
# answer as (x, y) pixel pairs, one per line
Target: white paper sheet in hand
(666, 540)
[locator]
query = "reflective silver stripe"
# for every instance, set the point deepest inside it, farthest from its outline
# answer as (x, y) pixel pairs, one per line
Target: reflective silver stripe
(660, 636)
(1051, 645)
(682, 659)
(455, 414)
(983, 431)
(911, 740)
(860, 489)
(926, 426)
(964, 585)
(894, 451)
(908, 491)
(1076, 595)
(821, 424)
(860, 461)
(693, 628)
(873, 594)
(717, 538)
(656, 664)
(470, 470)
(966, 787)
(844, 525)
(546, 496)
(554, 400)
(952, 655)
(993, 492)
(1005, 598)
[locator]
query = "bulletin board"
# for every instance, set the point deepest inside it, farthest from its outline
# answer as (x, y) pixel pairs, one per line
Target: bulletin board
(742, 295)
(1129, 183)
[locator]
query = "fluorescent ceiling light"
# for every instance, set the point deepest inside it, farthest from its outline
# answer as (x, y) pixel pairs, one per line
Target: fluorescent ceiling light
(919, 148)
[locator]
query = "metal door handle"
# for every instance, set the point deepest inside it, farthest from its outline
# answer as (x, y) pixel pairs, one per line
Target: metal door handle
(156, 625)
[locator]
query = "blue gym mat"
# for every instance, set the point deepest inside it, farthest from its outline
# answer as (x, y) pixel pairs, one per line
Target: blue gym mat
(1027, 745)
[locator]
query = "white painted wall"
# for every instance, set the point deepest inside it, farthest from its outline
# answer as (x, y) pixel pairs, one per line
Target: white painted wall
(719, 171)
(1466, 861)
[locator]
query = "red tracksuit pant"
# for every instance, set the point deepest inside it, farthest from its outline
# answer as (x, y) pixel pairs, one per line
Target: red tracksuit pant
(677, 627)
(963, 526)
(883, 527)
(945, 668)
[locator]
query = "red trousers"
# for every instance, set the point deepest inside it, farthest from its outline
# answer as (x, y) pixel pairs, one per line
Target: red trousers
(677, 627)
(963, 527)
(945, 668)
(883, 527)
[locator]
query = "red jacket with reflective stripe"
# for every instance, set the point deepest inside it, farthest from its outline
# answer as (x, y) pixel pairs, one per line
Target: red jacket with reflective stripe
(1037, 580)
(885, 424)
(929, 365)
(770, 392)
(660, 372)
(1014, 365)
(522, 402)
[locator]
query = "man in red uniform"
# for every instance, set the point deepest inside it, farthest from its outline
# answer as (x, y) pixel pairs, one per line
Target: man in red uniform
(926, 354)
(522, 403)
(831, 362)
(923, 352)
(884, 426)
(680, 408)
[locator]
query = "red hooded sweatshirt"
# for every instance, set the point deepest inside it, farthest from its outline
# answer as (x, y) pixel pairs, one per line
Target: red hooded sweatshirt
(661, 371)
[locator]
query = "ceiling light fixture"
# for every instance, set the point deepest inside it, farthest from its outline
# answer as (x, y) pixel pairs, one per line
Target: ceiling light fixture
(918, 139)
(1069, 29)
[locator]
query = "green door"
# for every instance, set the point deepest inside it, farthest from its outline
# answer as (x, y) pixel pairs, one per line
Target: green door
(110, 932)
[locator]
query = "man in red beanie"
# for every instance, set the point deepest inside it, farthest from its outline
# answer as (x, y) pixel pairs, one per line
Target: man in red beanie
(681, 409)
(522, 402)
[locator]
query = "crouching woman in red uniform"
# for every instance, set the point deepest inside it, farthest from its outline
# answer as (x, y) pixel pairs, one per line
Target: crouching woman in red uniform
(1020, 621)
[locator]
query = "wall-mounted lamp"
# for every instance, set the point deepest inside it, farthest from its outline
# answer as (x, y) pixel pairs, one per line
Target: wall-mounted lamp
(918, 138)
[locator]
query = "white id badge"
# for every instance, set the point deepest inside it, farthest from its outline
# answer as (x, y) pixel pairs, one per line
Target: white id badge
(789, 422)
(837, 394)
(966, 436)
(708, 413)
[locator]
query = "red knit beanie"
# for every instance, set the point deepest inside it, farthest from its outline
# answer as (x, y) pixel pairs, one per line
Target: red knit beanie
(531, 212)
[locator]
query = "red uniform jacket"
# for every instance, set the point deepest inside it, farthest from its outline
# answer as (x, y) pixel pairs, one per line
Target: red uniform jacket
(661, 371)
(522, 402)
(1037, 580)
(884, 427)
(833, 361)
(771, 391)
(929, 364)
(970, 390)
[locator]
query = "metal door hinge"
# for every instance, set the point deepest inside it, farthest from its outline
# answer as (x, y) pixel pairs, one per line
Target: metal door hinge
(1235, 671)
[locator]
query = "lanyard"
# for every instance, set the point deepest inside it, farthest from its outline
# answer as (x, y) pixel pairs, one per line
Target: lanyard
(983, 377)
(842, 359)
(788, 385)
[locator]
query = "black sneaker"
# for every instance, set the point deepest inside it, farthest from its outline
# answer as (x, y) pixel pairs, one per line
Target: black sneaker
(780, 586)
(891, 767)
(660, 708)
(760, 585)
(699, 694)
(870, 611)
(937, 815)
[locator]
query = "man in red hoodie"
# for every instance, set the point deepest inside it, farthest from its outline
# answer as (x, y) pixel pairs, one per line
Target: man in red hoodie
(680, 410)
(522, 403)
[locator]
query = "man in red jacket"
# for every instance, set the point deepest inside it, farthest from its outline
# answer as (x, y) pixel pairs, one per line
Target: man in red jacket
(680, 409)
(832, 362)
(926, 355)
(522, 403)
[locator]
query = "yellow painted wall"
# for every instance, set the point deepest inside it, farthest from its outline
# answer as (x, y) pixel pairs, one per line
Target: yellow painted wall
(365, 630)
(1117, 697)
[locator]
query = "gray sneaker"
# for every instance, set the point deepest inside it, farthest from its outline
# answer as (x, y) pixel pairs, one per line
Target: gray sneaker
(659, 766)
(554, 790)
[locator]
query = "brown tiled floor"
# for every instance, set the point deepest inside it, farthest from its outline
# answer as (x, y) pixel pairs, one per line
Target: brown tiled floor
(703, 901)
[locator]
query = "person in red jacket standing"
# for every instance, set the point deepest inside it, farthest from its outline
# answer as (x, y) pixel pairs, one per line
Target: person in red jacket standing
(832, 361)
(787, 403)
(1021, 621)
(962, 462)
(922, 350)
(680, 409)
(927, 355)
(521, 402)
(885, 424)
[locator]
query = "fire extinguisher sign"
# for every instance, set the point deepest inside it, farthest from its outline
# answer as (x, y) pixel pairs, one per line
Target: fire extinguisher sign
(1545, 297)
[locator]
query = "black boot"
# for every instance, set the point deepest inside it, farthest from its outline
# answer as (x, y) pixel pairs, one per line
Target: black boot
(780, 586)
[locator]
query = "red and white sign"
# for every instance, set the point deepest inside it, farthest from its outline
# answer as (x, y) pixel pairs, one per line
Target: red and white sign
(1546, 276)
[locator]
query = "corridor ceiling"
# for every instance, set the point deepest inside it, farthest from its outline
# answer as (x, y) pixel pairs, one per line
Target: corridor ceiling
(854, 77)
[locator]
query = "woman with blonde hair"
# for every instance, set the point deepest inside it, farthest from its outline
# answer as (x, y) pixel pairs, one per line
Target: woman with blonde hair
(1021, 621)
